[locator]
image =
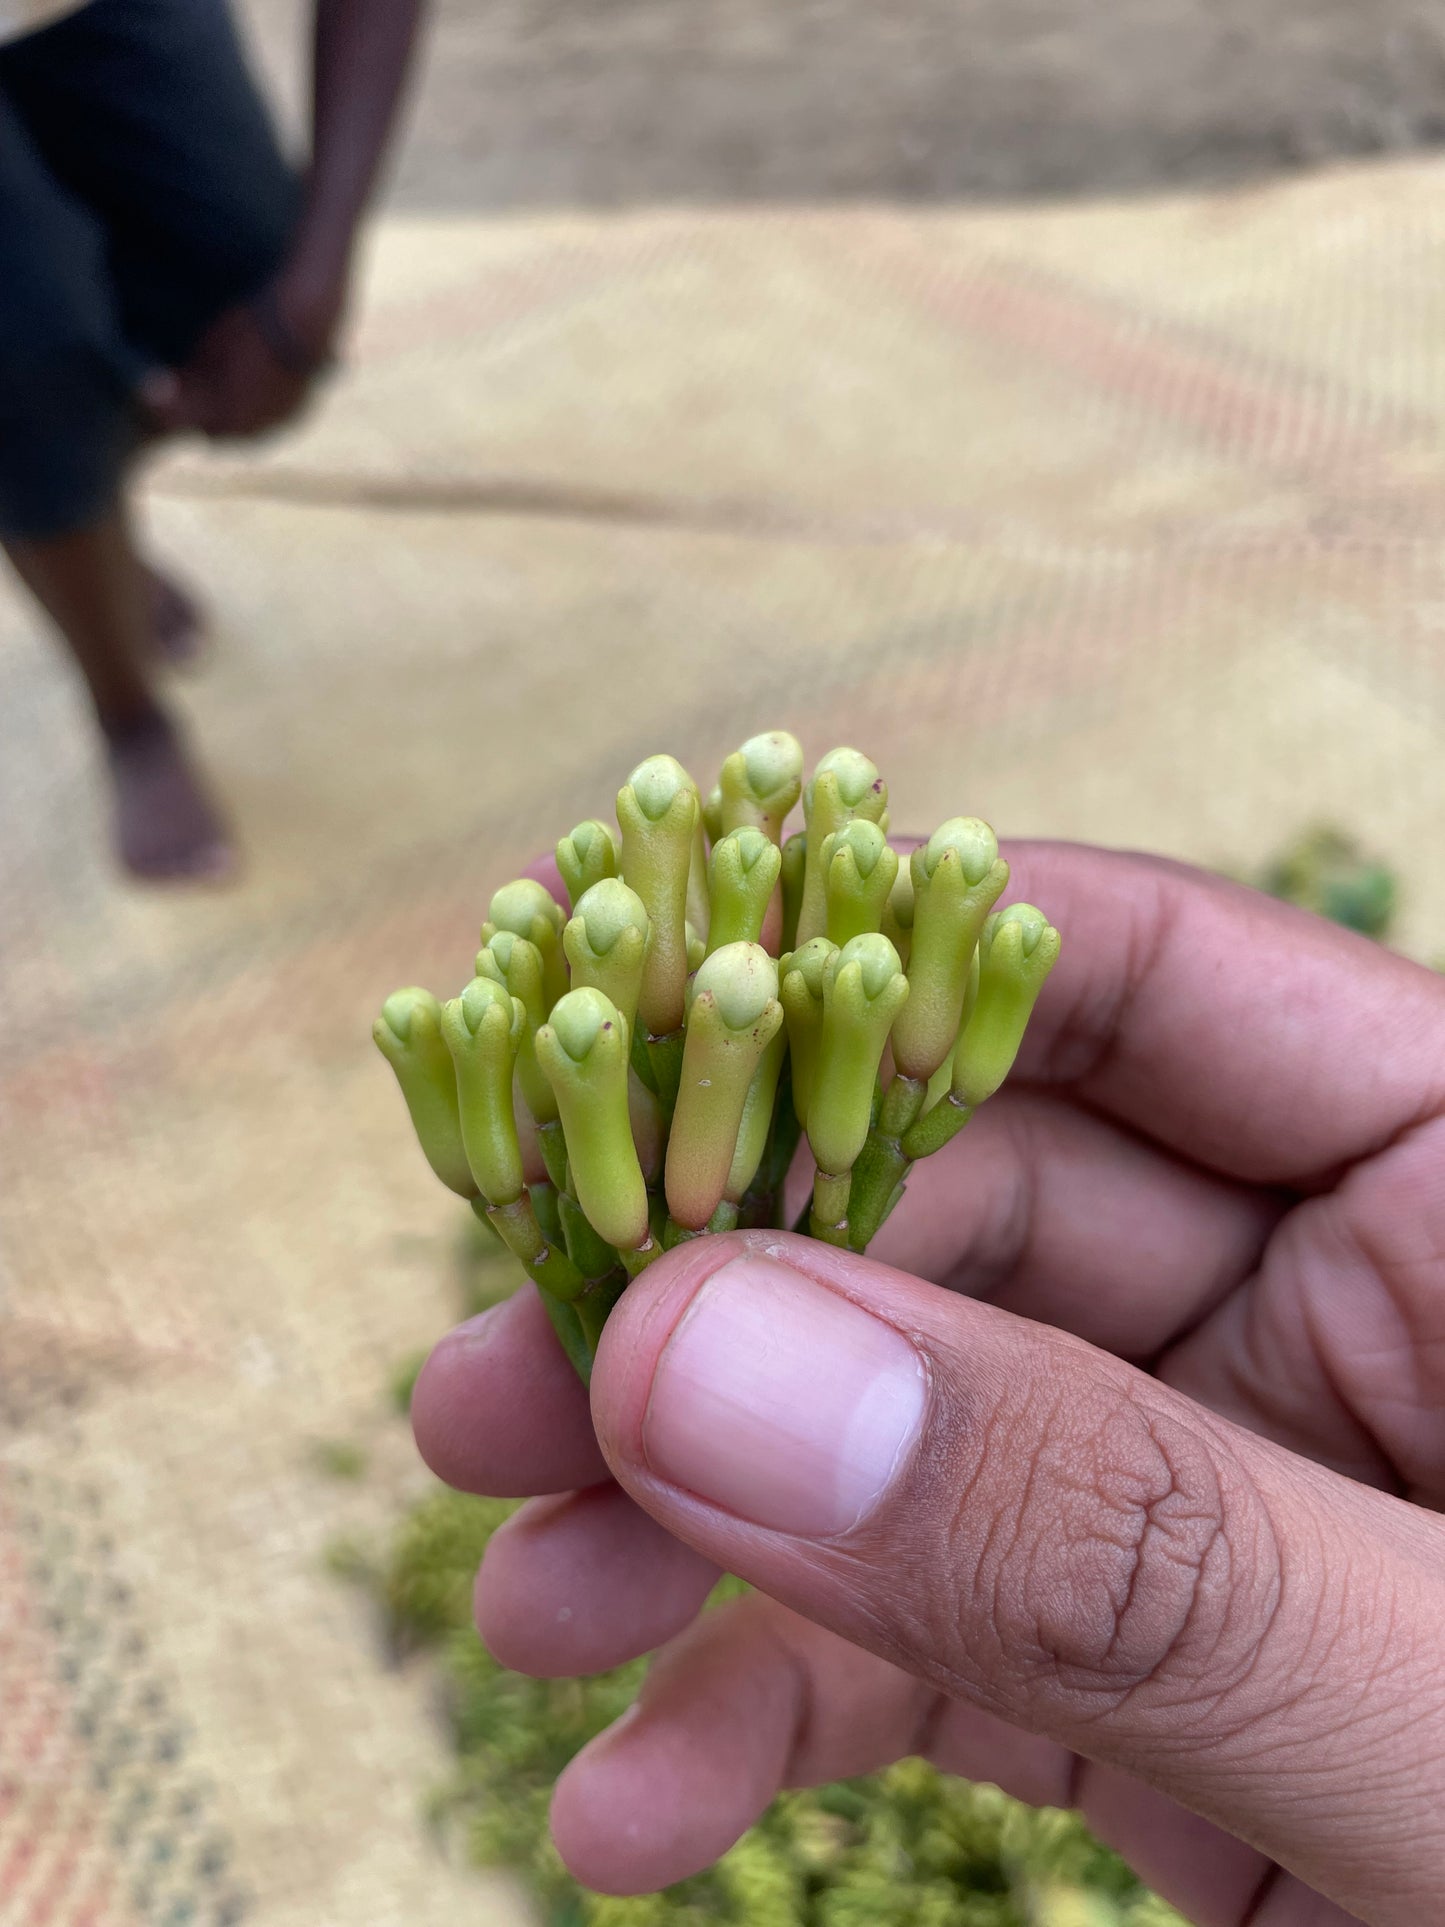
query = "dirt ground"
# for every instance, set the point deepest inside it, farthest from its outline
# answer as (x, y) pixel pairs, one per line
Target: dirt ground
(529, 103)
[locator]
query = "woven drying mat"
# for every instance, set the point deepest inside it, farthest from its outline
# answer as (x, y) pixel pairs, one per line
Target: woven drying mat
(1119, 521)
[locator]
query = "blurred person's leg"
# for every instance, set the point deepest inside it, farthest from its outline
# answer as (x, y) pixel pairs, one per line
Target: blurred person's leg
(142, 192)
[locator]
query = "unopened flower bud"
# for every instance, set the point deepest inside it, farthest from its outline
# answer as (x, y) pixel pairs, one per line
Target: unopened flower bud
(516, 964)
(743, 870)
(845, 785)
(583, 1049)
(483, 1029)
(408, 1034)
(957, 877)
(801, 977)
(1017, 950)
(760, 783)
(733, 1016)
(606, 944)
(528, 909)
(859, 869)
(864, 989)
(658, 810)
(585, 857)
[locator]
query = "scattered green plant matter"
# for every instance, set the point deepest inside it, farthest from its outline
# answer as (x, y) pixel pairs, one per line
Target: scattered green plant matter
(339, 1458)
(905, 1848)
(1326, 871)
(640, 1072)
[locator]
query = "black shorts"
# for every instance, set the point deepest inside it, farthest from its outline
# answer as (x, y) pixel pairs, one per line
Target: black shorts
(142, 192)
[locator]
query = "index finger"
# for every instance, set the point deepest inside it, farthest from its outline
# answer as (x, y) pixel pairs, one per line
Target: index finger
(1253, 1037)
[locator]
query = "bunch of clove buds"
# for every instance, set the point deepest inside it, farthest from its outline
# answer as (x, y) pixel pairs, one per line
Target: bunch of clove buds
(642, 1071)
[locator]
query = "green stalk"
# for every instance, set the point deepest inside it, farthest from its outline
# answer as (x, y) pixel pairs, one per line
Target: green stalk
(882, 1165)
(549, 1267)
(591, 1254)
(936, 1128)
(573, 1340)
(828, 1219)
(664, 1062)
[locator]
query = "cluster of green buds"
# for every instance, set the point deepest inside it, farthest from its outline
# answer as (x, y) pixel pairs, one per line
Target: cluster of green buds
(642, 1069)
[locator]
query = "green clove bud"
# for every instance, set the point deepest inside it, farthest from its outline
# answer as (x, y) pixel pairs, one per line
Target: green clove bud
(760, 783)
(897, 919)
(408, 1034)
(859, 869)
(864, 990)
(733, 1017)
(528, 909)
(802, 976)
(697, 870)
(606, 944)
(845, 785)
(795, 857)
(957, 878)
(516, 964)
(583, 1049)
(483, 1030)
(585, 857)
(1017, 949)
(658, 809)
(742, 872)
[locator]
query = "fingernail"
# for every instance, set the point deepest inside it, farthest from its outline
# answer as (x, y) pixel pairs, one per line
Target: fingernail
(783, 1402)
(480, 1329)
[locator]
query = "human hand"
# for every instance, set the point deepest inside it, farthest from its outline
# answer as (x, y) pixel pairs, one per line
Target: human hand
(257, 364)
(1135, 1514)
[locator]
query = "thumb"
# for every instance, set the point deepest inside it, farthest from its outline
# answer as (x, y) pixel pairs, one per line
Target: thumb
(1036, 1527)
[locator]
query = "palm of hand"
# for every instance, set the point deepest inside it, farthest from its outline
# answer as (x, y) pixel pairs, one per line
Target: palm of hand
(1225, 1163)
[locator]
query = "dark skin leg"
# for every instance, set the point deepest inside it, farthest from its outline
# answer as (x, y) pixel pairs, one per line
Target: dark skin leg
(103, 600)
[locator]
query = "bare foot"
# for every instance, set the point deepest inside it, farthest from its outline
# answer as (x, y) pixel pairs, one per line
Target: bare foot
(166, 826)
(177, 624)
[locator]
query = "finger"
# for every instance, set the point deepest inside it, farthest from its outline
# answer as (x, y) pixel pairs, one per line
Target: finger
(498, 1409)
(1336, 1346)
(1063, 1216)
(1222, 1023)
(752, 1699)
(1034, 1527)
(543, 869)
(583, 1582)
(718, 1728)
